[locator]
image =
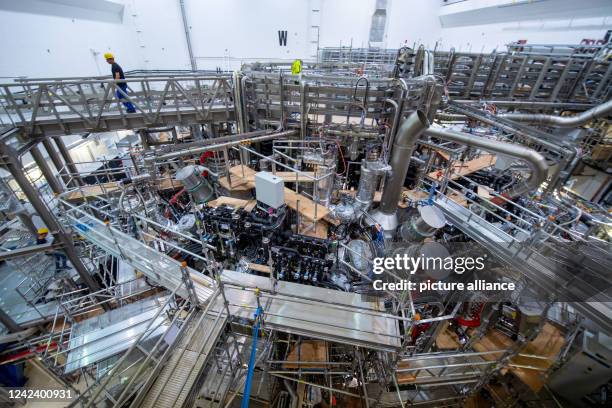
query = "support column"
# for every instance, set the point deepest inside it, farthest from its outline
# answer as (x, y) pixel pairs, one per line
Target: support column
(68, 160)
(57, 161)
(196, 132)
(144, 139)
(13, 165)
(27, 222)
(9, 323)
(46, 170)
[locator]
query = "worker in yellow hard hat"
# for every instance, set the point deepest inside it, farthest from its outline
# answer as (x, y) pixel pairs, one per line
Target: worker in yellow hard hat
(42, 236)
(60, 258)
(118, 75)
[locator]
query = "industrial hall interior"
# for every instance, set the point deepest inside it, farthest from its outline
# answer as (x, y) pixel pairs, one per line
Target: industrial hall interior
(306, 203)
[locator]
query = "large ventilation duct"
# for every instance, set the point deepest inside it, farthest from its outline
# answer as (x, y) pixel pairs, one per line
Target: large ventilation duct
(406, 138)
(535, 161)
(562, 121)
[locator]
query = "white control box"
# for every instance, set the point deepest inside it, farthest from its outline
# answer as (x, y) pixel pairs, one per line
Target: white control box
(269, 189)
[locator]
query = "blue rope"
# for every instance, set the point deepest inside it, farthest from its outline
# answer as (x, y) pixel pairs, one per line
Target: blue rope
(247, 385)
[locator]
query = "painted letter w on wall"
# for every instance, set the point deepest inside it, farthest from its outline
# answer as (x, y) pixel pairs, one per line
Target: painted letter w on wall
(282, 38)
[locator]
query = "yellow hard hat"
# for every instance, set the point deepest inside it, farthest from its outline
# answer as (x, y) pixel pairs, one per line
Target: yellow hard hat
(108, 55)
(43, 231)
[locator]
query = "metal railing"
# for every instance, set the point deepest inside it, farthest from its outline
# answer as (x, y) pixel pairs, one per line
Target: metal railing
(64, 106)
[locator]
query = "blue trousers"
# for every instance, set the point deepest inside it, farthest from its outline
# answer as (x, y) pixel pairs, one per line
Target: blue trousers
(60, 261)
(128, 105)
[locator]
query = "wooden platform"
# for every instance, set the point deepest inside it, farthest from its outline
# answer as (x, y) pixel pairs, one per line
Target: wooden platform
(447, 339)
(298, 202)
(308, 351)
(92, 191)
(240, 183)
(248, 205)
(319, 230)
(405, 377)
(259, 268)
(547, 344)
(466, 168)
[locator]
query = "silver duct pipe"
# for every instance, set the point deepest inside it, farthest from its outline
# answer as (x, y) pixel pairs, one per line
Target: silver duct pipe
(406, 138)
(404, 143)
(560, 121)
(535, 161)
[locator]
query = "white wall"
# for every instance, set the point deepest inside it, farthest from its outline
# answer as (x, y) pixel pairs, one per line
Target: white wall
(484, 25)
(37, 45)
(487, 37)
(346, 22)
(413, 21)
(225, 33)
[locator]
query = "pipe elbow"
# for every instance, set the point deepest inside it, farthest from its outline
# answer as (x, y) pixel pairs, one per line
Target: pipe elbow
(411, 129)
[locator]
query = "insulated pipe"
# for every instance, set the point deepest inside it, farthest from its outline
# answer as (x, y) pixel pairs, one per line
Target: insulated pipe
(535, 161)
(220, 146)
(560, 121)
(406, 138)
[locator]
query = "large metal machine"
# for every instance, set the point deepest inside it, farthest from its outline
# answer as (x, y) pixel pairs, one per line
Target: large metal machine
(229, 254)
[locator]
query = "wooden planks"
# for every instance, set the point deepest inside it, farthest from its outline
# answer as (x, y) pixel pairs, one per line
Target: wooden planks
(238, 184)
(466, 168)
(298, 202)
(92, 191)
(447, 339)
(547, 344)
(310, 352)
(318, 231)
(248, 205)
(405, 377)
(287, 176)
(305, 206)
(260, 268)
